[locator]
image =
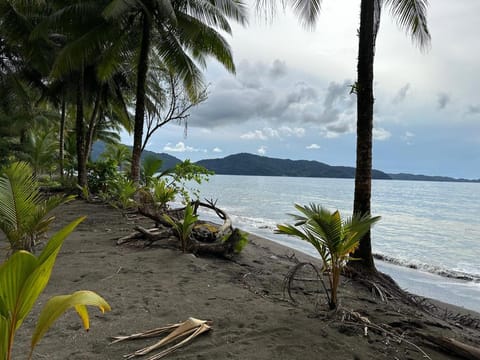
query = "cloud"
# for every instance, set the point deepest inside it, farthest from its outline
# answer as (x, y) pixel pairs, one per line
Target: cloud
(442, 100)
(217, 150)
(278, 69)
(401, 94)
(254, 135)
(269, 133)
(473, 110)
(313, 147)
(262, 150)
(381, 134)
(180, 147)
(408, 137)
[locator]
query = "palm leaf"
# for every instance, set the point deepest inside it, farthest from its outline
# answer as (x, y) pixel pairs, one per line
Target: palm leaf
(411, 15)
(57, 305)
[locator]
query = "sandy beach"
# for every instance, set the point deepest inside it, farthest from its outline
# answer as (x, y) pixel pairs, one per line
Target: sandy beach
(244, 298)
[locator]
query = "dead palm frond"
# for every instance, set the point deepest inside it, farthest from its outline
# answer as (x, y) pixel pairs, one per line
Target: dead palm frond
(182, 333)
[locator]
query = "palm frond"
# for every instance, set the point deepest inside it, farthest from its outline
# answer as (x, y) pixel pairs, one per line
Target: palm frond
(411, 15)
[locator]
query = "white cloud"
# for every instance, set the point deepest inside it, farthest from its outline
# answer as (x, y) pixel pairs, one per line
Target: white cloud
(217, 150)
(270, 133)
(313, 147)
(381, 134)
(180, 147)
(408, 137)
(262, 150)
(254, 135)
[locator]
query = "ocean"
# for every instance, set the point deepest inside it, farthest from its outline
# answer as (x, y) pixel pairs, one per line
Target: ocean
(428, 237)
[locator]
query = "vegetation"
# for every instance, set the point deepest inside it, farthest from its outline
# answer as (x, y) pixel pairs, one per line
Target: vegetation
(334, 239)
(411, 16)
(24, 213)
(23, 278)
(183, 228)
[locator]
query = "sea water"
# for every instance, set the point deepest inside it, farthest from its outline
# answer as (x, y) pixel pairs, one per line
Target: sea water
(429, 234)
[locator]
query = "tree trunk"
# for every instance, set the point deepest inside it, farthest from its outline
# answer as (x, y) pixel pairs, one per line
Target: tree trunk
(140, 99)
(365, 100)
(61, 153)
(80, 132)
(92, 125)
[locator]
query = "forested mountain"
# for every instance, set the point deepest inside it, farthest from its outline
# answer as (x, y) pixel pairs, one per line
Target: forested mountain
(249, 164)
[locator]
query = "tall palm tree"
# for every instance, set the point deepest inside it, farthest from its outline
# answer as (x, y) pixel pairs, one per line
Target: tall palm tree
(89, 65)
(411, 16)
(182, 34)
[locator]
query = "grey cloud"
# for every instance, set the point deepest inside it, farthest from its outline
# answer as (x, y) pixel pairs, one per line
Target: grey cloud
(253, 96)
(401, 94)
(337, 92)
(278, 69)
(473, 110)
(443, 99)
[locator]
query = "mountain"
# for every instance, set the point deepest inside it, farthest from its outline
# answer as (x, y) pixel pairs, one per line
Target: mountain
(249, 164)
(414, 177)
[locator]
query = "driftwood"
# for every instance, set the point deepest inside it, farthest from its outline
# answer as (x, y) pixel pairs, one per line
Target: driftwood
(206, 238)
(452, 346)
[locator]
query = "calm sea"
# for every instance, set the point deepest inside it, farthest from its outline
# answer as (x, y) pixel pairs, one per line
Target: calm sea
(433, 227)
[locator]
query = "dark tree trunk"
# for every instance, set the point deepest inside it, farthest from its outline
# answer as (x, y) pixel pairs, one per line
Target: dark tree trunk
(363, 174)
(92, 125)
(80, 132)
(61, 140)
(140, 99)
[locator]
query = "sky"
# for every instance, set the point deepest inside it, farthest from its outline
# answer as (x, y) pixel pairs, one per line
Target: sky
(290, 96)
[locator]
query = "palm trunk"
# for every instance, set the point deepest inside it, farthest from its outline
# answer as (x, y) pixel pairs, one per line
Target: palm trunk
(92, 125)
(61, 144)
(80, 133)
(140, 99)
(365, 100)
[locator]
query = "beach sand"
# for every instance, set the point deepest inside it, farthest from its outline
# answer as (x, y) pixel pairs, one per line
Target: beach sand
(154, 286)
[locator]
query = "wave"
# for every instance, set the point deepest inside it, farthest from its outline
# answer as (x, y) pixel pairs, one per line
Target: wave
(433, 269)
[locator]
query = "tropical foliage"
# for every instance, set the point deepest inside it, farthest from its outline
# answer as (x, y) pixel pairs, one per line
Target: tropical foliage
(183, 228)
(333, 238)
(24, 213)
(23, 278)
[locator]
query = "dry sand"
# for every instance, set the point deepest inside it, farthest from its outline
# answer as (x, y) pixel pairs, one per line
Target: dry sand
(151, 287)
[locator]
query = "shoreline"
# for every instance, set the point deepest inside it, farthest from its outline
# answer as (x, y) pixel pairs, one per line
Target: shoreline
(434, 286)
(252, 319)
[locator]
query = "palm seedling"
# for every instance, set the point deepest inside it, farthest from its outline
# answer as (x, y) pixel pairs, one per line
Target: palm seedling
(23, 278)
(183, 228)
(24, 213)
(334, 239)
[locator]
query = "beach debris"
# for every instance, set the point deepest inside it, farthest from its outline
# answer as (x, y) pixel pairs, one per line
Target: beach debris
(452, 346)
(187, 330)
(206, 238)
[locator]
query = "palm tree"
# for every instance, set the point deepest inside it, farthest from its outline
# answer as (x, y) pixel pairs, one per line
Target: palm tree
(411, 16)
(182, 34)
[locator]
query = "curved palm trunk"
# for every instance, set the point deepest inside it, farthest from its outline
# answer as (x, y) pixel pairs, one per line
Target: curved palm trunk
(365, 100)
(80, 132)
(140, 99)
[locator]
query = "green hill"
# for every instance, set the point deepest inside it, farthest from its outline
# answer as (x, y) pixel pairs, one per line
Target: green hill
(249, 164)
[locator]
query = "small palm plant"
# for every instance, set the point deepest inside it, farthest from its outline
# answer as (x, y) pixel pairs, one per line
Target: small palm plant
(23, 212)
(183, 228)
(334, 239)
(161, 192)
(23, 278)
